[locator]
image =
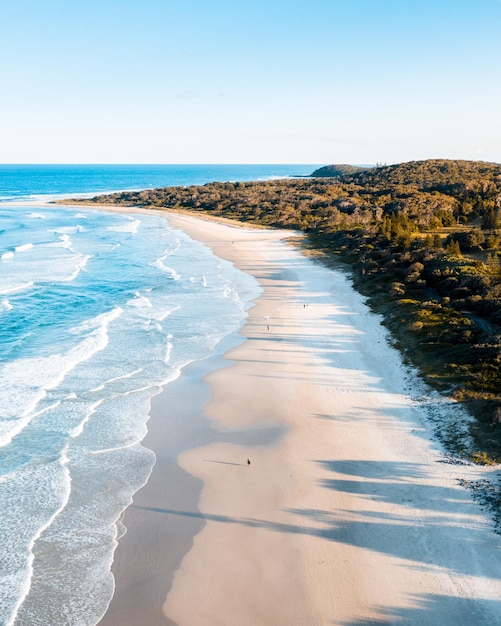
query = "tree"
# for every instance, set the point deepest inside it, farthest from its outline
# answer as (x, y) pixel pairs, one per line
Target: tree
(453, 248)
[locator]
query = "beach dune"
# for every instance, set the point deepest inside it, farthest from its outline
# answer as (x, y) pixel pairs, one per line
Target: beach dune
(347, 513)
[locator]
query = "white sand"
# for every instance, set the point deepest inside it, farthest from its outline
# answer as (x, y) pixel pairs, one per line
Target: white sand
(349, 517)
(347, 514)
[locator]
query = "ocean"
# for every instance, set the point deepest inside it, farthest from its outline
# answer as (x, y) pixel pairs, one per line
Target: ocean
(98, 312)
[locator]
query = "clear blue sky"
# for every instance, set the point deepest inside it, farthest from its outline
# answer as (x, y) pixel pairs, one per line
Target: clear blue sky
(267, 81)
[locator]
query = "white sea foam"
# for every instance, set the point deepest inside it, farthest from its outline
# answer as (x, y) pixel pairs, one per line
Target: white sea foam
(64, 242)
(77, 431)
(78, 268)
(23, 247)
(231, 293)
(5, 305)
(69, 230)
(168, 270)
(24, 383)
(62, 462)
(130, 226)
(140, 302)
(39, 216)
(51, 264)
(16, 288)
(168, 350)
(173, 248)
(44, 263)
(114, 380)
(46, 409)
(99, 323)
(143, 308)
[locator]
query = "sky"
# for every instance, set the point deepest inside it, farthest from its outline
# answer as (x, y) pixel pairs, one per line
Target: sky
(267, 81)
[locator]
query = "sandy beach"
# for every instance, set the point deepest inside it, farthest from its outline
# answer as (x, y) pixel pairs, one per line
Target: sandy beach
(348, 513)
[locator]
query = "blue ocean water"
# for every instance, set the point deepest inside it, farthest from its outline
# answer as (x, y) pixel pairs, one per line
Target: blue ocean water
(98, 311)
(30, 182)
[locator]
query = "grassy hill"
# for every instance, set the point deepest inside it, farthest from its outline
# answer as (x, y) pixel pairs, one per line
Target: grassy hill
(335, 171)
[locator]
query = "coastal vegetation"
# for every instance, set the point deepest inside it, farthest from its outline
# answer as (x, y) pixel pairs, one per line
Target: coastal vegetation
(423, 241)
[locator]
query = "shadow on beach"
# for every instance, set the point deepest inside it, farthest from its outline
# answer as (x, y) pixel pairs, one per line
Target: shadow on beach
(431, 529)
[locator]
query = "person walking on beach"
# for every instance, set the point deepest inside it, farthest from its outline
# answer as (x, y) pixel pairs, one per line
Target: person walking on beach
(248, 461)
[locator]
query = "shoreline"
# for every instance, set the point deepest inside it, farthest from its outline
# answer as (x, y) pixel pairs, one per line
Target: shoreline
(166, 543)
(149, 553)
(348, 512)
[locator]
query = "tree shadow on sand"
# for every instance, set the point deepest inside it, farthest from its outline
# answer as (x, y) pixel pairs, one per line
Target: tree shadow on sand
(406, 536)
(401, 538)
(436, 610)
(399, 512)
